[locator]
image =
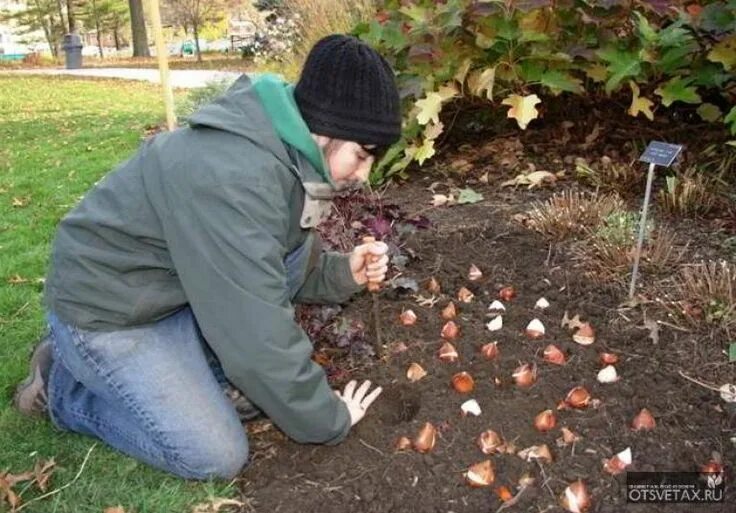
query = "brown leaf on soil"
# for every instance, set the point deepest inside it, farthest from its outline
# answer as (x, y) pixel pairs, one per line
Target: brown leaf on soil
(215, 504)
(115, 509)
(534, 179)
(572, 324)
(42, 472)
(322, 359)
(653, 327)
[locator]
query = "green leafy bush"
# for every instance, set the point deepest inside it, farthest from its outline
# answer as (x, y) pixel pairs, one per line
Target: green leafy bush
(515, 53)
(201, 96)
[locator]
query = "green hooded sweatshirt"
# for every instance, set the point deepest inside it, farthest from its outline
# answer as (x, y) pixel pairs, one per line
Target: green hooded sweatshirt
(206, 216)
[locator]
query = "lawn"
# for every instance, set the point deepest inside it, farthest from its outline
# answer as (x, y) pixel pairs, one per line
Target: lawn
(58, 137)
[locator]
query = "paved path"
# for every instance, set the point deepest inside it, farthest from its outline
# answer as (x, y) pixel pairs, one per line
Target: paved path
(189, 78)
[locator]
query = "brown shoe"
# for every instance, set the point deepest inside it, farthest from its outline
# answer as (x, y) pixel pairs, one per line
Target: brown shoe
(30, 396)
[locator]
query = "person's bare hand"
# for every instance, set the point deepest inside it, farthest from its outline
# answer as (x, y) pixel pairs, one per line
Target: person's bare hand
(369, 262)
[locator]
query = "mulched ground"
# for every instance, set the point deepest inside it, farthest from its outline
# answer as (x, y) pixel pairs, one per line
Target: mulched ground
(366, 473)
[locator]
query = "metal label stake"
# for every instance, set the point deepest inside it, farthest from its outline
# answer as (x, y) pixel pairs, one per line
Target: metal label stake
(656, 154)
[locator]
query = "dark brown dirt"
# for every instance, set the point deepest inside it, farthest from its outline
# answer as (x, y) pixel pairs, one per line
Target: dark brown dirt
(366, 474)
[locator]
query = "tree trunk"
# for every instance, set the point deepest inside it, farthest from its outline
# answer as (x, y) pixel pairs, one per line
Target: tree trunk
(70, 16)
(116, 37)
(60, 7)
(49, 38)
(195, 29)
(97, 28)
(138, 26)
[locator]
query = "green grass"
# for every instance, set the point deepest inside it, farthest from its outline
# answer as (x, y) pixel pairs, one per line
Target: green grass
(57, 138)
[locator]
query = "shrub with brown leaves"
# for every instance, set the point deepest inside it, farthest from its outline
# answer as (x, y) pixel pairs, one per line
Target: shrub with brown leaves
(606, 175)
(570, 214)
(706, 293)
(690, 193)
(608, 254)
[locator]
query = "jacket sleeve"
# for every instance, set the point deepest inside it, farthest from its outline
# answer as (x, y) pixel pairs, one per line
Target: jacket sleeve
(227, 243)
(329, 280)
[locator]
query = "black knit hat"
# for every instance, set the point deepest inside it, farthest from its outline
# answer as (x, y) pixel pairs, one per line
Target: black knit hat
(347, 91)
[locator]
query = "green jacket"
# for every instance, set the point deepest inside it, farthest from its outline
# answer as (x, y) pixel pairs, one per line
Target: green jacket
(205, 216)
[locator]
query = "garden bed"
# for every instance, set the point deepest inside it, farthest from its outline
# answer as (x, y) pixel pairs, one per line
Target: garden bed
(367, 473)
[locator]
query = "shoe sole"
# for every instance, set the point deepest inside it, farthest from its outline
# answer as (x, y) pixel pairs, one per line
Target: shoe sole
(32, 387)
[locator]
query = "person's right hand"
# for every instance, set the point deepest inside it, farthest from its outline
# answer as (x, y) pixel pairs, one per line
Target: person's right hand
(356, 400)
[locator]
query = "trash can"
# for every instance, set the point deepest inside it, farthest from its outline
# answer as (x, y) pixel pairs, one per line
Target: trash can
(72, 45)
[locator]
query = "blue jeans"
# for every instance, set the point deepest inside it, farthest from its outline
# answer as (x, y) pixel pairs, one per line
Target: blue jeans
(154, 392)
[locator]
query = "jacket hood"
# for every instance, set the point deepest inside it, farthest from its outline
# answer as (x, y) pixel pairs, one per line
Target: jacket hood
(241, 111)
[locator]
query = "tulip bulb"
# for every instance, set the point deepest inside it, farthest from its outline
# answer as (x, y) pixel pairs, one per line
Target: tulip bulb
(578, 397)
(489, 350)
(490, 442)
(584, 335)
(545, 421)
(644, 421)
(434, 286)
(712, 467)
(526, 480)
(525, 375)
(568, 437)
(608, 374)
(415, 372)
(408, 317)
(541, 304)
(504, 494)
(576, 498)
(495, 324)
(470, 407)
(463, 382)
(448, 353)
(450, 331)
(507, 293)
(474, 274)
(609, 358)
(536, 452)
(619, 462)
(465, 295)
(481, 474)
(424, 442)
(403, 444)
(535, 329)
(449, 312)
(496, 307)
(553, 354)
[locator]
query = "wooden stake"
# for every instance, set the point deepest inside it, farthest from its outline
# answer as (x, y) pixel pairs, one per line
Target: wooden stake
(163, 63)
(374, 289)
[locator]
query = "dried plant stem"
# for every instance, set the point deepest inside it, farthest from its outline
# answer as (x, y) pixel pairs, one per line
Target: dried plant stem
(701, 383)
(57, 490)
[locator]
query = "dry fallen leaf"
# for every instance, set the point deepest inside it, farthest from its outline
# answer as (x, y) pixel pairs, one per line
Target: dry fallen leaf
(16, 279)
(42, 472)
(115, 509)
(426, 301)
(215, 504)
(534, 179)
(439, 200)
(572, 324)
(653, 328)
(20, 202)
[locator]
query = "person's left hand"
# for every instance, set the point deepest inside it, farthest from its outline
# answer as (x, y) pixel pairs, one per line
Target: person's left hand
(369, 262)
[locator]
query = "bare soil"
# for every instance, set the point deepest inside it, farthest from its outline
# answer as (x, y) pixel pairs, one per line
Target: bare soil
(366, 474)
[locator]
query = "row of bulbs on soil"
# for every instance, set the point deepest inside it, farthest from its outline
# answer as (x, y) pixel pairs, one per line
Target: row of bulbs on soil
(575, 498)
